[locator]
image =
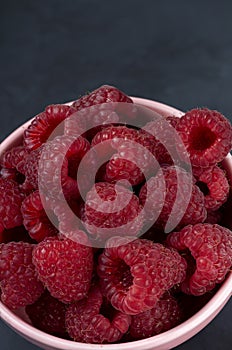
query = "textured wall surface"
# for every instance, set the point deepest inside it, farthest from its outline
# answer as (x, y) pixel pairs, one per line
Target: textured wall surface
(178, 52)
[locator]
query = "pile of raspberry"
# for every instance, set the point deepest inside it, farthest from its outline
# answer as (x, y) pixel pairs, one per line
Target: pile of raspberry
(134, 265)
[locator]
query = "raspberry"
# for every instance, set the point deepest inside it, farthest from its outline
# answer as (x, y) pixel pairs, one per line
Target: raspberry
(122, 169)
(160, 193)
(115, 135)
(35, 218)
(165, 315)
(95, 109)
(86, 320)
(65, 267)
(44, 123)
(89, 121)
(59, 163)
(29, 168)
(214, 184)
(112, 210)
(103, 94)
(18, 280)
(13, 157)
(10, 203)
(164, 135)
(135, 274)
(132, 160)
(207, 136)
(11, 160)
(12, 256)
(211, 248)
(48, 314)
(67, 216)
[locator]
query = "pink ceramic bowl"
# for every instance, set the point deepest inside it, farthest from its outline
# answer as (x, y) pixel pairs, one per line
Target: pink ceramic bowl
(164, 341)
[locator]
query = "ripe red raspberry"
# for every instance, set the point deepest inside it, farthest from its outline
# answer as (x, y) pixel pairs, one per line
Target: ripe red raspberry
(18, 280)
(119, 135)
(119, 168)
(115, 135)
(112, 210)
(65, 267)
(165, 315)
(59, 164)
(67, 215)
(11, 160)
(133, 159)
(35, 218)
(103, 94)
(87, 321)
(44, 123)
(163, 132)
(211, 248)
(10, 204)
(48, 314)
(94, 110)
(214, 184)
(160, 193)
(207, 136)
(29, 168)
(89, 121)
(133, 162)
(135, 274)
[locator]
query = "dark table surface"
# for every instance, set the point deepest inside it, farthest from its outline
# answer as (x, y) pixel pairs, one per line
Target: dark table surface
(178, 52)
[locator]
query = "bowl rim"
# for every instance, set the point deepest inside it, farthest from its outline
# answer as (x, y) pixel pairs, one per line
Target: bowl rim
(172, 337)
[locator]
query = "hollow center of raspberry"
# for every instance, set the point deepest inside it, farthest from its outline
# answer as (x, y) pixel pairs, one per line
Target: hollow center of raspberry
(126, 278)
(202, 138)
(203, 187)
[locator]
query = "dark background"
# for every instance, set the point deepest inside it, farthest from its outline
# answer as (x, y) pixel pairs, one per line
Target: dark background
(178, 52)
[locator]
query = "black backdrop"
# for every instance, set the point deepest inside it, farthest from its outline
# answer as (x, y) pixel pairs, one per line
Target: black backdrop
(178, 52)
